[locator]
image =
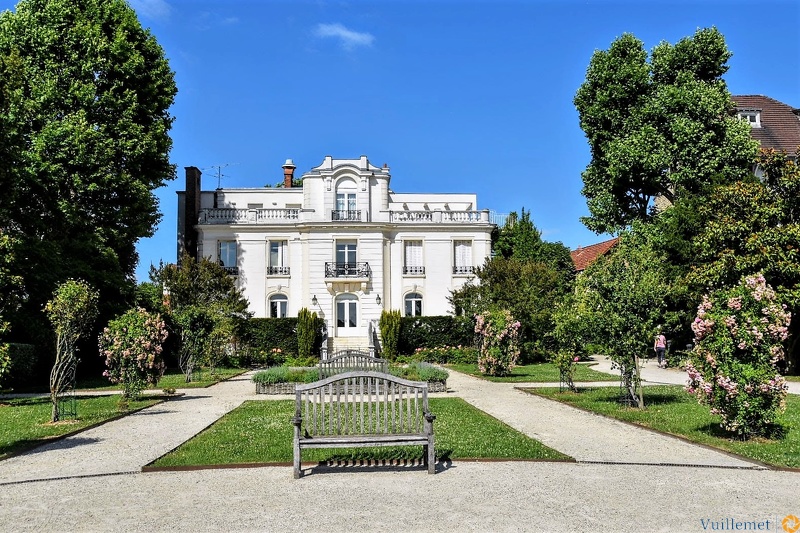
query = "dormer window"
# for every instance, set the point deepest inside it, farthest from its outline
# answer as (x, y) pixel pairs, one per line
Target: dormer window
(751, 116)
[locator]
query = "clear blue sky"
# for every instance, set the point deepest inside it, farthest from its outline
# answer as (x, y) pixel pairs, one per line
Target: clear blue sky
(471, 96)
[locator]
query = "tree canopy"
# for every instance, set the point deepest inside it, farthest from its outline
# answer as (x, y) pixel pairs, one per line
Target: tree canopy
(84, 122)
(657, 128)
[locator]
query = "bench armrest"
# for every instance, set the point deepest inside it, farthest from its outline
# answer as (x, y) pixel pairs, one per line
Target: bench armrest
(297, 420)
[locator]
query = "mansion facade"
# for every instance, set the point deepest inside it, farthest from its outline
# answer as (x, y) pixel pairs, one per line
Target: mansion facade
(342, 244)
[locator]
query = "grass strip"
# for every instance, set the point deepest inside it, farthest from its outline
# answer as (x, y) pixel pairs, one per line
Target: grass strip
(538, 373)
(262, 432)
(173, 378)
(25, 422)
(670, 409)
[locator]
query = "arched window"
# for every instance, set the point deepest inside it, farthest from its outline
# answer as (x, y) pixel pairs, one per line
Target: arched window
(278, 304)
(346, 201)
(413, 304)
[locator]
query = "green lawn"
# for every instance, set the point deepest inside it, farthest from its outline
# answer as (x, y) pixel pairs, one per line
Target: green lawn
(25, 422)
(261, 432)
(539, 373)
(173, 378)
(672, 410)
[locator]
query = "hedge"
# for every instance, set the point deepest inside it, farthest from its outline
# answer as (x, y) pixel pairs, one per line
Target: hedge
(270, 341)
(434, 331)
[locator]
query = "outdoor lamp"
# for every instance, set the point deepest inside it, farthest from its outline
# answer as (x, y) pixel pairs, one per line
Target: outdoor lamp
(314, 300)
(378, 299)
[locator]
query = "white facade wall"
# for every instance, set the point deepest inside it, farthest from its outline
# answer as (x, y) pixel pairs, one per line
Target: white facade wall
(380, 227)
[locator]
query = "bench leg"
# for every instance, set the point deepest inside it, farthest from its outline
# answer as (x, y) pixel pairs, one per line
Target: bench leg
(297, 472)
(430, 456)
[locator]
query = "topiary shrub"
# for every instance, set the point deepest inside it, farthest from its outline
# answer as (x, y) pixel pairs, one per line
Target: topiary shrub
(499, 342)
(390, 333)
(307, 329)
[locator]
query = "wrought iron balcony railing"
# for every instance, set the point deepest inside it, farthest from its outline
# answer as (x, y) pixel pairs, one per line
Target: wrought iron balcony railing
(462, 269)
(277, 271)
(232, 271)
(350, 215)
(347, 270)
(413, 270)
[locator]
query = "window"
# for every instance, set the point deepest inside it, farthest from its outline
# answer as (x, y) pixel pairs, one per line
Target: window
(346, 253)
(227, 256)
(752, 116)
(462, 257)
(346, 201)
(255, 206)
(278, 264)
(413, 304)
(346, 311)
(413, 258)
(278, 305)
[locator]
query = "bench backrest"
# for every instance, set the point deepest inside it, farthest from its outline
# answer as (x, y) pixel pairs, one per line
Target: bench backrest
(350, 361)
(362, 403)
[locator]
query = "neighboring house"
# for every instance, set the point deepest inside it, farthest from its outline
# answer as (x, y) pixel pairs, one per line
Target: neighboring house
(773, 124)
(584, 256)
(343, 245)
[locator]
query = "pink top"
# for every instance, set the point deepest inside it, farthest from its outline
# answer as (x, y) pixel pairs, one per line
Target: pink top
(661, 341)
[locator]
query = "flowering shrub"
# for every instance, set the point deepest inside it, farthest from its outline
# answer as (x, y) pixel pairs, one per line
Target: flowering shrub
(738, 342)
(132, 346)
(499, 342)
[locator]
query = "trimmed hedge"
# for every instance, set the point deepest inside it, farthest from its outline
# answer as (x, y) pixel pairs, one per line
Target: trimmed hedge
(270, 341)
(434, 331)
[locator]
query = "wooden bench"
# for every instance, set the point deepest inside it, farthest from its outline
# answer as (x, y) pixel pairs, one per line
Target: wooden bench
(360, 409)
(351, 361)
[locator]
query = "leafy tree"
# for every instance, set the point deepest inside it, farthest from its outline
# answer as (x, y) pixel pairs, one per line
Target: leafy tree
(72, 310)
(206, 306)
(623, 294)
(84, 138)
(528, 289)
(661, 128)
(753, 226)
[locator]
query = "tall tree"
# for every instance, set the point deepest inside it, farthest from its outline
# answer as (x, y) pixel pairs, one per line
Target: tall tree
(661, 128)
(86, 111)
(750, 227)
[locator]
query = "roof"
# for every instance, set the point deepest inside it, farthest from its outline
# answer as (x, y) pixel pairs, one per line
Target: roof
(780, 123)
(586, 255)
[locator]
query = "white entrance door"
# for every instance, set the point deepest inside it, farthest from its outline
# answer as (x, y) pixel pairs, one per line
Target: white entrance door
(347, 315)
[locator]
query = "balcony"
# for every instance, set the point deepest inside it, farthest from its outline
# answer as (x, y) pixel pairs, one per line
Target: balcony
(229, 215)
(347, 270)
(231, 271)
(353, 215)
(438, 216)
(347, 277)
(414, 270)
(277, 271)
(461, 270)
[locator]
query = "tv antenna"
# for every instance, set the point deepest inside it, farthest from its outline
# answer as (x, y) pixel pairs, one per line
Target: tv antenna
(219, 173)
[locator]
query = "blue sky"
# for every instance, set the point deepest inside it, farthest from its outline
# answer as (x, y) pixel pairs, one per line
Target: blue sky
(471, 96)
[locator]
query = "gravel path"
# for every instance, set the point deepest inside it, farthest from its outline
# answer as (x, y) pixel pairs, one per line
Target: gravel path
(630, 491)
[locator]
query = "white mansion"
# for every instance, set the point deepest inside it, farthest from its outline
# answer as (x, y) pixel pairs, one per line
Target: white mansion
(343, 245)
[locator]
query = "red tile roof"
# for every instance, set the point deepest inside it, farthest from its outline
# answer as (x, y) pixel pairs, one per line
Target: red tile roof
(780, 123)
(586, 255)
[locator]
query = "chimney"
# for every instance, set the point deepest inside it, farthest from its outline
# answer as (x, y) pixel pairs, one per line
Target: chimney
(288, 173)
(191, 210)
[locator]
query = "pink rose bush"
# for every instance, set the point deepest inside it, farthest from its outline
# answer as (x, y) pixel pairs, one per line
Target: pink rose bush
(739, 336)
(498, 333)
(132, 345)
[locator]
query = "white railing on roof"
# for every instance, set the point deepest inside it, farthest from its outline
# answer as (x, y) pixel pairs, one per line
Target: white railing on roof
(436, 216)
(410, 216)
(229, 215)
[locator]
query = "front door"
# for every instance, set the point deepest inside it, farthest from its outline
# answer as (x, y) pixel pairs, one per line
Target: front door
(347, 315)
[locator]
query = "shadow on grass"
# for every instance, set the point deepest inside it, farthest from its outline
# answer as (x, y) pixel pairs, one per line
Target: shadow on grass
(773, 432)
